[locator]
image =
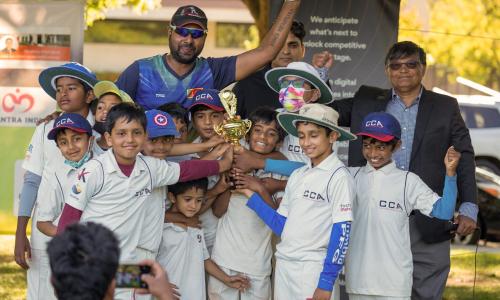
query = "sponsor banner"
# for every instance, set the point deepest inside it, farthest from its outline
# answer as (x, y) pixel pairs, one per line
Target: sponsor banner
(23, 106)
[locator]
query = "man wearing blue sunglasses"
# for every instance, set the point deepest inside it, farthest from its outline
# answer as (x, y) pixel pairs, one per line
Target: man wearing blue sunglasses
(177, 75)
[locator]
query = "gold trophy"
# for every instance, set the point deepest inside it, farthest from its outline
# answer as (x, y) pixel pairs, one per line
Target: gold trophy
(233, 128)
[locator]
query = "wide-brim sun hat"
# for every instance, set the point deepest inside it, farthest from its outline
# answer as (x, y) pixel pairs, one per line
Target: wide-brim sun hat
(315, 113)
(48, 77)
(304, 71)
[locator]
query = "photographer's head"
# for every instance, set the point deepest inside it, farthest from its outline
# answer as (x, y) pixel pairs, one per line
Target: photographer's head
(83, 262)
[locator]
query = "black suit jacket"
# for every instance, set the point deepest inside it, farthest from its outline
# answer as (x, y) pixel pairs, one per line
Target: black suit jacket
(439, 125)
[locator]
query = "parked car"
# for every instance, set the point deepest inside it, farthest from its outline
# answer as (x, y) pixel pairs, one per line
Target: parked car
(488, 220)
(482, 117)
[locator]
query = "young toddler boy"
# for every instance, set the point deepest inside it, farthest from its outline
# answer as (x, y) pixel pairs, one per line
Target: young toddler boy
(243, 243)
(314, 217)
(71, 86)
(183, 251)
(385, 198)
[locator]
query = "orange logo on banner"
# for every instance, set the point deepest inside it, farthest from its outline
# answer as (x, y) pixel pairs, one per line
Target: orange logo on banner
(10, 101)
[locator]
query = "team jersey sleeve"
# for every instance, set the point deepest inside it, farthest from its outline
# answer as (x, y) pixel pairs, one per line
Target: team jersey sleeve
(48, 194)
(34, 159)
(418, 195)
(162, 171)
(128, 80)
(341, 192)
(88, 182)
(223, 70)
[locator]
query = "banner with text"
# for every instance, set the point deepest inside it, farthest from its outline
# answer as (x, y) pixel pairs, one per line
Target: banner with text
(357, 32)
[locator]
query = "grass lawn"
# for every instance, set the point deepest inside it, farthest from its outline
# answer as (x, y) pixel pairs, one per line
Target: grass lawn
(13, 278)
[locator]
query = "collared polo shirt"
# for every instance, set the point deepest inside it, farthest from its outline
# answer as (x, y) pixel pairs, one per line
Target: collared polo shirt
(380, 235)
(107, 196)
(183, 253)
(154, 217)
(315, 198)
(54, 189)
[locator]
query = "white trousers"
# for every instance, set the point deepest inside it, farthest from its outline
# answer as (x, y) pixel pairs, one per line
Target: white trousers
(373, 297)
(298, 280)
(39, 286)
(260, 288)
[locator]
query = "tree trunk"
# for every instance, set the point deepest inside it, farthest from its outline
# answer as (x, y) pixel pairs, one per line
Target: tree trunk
(259, 9)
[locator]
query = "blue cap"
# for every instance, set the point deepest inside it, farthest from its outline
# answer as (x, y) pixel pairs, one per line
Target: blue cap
(209, 98)
(381, 126)
(160, 124)
(48, 77)
(71, 121)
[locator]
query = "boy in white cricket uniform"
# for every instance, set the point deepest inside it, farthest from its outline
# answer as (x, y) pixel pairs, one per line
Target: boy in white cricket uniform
(243, 244)
(73, 135)
(314, 216)
(112, 188)
(161, 133)
(297, 84)
(183, 251)
(71, 86)
(379, 262)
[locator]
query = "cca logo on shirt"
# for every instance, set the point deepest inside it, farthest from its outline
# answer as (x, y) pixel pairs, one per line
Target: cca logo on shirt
(76, 189)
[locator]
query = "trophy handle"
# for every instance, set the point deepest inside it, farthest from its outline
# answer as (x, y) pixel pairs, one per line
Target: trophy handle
(218, 129)
(248, 125)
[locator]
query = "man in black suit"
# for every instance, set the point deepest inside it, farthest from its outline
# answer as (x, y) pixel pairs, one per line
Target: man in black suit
(431, 123)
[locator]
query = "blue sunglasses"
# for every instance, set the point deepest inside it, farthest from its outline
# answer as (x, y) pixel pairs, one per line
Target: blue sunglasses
(184, 32)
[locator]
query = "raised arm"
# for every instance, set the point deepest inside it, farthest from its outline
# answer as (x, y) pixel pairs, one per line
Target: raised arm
(251, 61)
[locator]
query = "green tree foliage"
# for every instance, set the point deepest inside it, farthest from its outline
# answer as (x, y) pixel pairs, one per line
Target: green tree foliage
(95, 9)
(461, 34)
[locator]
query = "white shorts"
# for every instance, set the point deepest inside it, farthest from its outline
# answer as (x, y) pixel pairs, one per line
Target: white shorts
(38, 275)
(260, 288)
(298, 280)
(373, 297)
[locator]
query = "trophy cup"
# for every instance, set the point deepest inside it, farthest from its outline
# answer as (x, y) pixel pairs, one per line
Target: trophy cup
(233, 128)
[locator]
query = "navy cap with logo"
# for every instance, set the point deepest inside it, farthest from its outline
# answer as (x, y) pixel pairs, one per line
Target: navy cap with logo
(160, 124)
(209, 98)
(189, 14)
(71, 121)
(381, 126)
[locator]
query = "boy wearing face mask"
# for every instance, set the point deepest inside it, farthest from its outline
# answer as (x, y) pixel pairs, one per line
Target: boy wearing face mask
(72, 134)
(297, 84)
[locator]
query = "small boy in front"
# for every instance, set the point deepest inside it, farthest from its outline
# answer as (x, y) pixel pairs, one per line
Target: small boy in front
(314, 217)
(385, 197)
(113, 187)
(183, 252)
(243, 243)
(73, 136)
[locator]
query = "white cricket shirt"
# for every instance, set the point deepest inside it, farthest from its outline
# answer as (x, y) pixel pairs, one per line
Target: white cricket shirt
(182, 254)
(243, 241)
(107, 196)
(315, 198)
(154, 217)
(379, 259)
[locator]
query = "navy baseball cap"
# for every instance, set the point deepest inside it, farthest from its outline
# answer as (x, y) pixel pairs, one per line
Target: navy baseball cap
(189, 14)
(160, 124)
(381, 126)
(71, 121)
(48, 77)
(209, 98)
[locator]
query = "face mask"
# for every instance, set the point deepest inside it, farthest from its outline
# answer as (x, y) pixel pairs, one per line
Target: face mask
(85, 158)
(292, 98)
(100, 127)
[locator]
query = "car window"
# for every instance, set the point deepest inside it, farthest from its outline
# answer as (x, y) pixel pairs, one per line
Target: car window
(480, 117)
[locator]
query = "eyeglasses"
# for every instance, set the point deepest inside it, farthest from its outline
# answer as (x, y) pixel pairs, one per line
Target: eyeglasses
(409, 65)
(184, 32)
(296, 83)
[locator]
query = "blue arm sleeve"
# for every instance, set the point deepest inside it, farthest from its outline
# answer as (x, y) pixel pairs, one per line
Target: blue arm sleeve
(272, 218)
(282, 167)
(445, 206)
(27, 198)
(335, 255)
